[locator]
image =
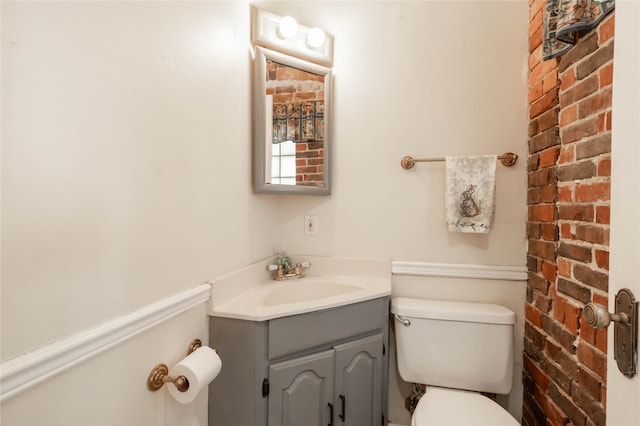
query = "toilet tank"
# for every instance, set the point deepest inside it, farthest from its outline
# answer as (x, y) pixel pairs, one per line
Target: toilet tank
(454, 344)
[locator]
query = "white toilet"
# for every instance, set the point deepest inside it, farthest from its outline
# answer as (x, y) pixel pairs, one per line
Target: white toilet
(457, 349)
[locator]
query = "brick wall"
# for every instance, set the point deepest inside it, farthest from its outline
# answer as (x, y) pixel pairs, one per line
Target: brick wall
(568, 227)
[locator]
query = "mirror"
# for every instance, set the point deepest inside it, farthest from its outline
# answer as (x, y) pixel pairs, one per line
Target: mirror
(291, 132)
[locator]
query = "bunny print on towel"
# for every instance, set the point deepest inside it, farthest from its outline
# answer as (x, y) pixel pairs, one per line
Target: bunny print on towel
(468, 207)
(470, 193)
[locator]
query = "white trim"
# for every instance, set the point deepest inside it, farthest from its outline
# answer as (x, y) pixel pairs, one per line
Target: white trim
(25, 371)
(489, 272)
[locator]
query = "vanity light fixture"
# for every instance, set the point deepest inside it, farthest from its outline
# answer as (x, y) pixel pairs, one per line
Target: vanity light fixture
(315, 38)
(288, 27)
(284, 35)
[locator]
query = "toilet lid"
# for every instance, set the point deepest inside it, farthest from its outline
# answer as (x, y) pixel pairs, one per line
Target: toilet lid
(441, 407)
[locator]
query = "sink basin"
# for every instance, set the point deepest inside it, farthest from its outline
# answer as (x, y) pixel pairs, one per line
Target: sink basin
(275, 299)
(301, 290)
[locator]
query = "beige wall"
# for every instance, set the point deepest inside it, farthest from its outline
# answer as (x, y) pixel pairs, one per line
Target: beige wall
(126, 161)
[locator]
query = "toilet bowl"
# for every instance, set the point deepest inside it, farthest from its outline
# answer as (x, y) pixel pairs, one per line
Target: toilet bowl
(457, 349)
(449, 407)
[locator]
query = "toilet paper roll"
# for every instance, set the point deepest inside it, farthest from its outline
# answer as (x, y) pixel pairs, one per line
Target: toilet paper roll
(200, 368)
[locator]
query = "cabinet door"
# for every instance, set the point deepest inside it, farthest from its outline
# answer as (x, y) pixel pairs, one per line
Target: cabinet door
(358, 395)
(301, 391)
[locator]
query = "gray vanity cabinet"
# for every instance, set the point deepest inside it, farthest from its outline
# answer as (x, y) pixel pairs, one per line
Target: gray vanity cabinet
(321, 368)
(342, 386)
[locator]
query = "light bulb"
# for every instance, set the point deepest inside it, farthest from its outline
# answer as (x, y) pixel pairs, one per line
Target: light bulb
(315, 38)
(288, 27)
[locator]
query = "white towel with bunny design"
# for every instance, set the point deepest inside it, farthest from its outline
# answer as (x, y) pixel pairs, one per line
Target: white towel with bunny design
(471, 187)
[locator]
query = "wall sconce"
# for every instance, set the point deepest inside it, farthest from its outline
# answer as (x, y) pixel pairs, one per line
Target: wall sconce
(285, 35)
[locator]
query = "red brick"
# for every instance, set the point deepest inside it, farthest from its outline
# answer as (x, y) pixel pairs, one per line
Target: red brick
(567, 154)
(591, 105)
(590, 383)
(540, 70)
(566, 232)
(535, 39)
(602, 258)
(567, 79)
(542, 212)
(532, 315)
(536, 373)
(600, 299)
(549, 156)
(555, 416)
(606, 29)
(549, 271)
(597, 234)
(572, 318)
(604, 167)
(549, 231)
(606, 75)
(565, 193)
(564, 267)
(568, 115)
(579, 91)
(594, 146)
(535, 24)
(549, 82)
(592, 358)
(579, 212)
(603, 214)
(535, 7)
(583, 129)
(535, 57)
(535, 92)
(601, 339)
(546, 102)
(559, 309)
(543, 249)
(545, 194)
(589, 192)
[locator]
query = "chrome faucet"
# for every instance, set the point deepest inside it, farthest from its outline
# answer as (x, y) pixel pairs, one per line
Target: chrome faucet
(284, 269)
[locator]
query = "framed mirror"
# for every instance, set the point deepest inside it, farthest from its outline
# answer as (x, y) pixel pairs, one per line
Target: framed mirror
(292, 125)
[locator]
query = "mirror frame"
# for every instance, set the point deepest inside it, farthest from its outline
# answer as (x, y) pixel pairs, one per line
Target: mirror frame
(260, 117)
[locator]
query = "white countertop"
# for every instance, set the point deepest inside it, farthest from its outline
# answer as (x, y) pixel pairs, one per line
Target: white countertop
(250, 294)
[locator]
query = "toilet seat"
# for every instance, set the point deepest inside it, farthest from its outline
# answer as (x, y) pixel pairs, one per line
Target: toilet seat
(441, 406)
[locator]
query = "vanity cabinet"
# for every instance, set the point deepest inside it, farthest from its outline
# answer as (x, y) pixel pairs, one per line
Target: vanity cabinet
(320, 368)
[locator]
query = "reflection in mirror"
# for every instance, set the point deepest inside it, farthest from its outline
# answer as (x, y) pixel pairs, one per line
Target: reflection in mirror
(291, 143)
(297, 99)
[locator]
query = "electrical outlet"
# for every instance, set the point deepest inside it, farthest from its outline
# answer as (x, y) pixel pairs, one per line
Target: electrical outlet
(310, 224)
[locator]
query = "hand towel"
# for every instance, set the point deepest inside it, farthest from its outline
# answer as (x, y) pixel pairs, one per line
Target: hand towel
(470, 192)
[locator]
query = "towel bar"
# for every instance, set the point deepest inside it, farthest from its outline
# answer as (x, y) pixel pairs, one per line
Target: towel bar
(507, 159)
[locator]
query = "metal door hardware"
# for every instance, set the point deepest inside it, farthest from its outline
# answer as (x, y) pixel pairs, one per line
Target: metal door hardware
(625, 331)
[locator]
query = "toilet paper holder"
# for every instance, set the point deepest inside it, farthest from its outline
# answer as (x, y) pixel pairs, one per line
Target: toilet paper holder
(160, 373)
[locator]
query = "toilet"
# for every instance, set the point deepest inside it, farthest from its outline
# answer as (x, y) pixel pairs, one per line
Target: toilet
(457, 349)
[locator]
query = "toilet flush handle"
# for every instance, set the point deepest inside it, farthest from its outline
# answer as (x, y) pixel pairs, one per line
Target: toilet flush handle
(404, 321)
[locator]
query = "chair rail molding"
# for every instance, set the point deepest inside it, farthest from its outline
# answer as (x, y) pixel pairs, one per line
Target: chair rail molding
(455, 270)
(26, 371)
